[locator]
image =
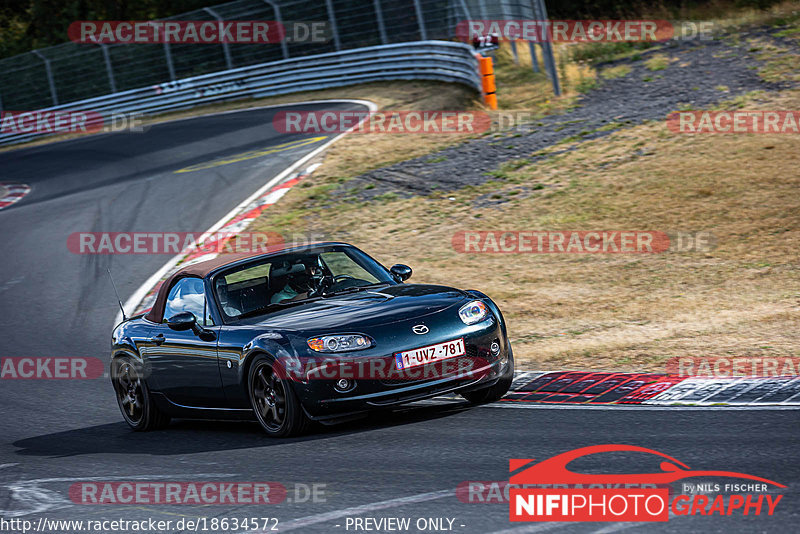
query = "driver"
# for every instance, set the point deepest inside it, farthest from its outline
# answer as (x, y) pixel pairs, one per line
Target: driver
(295, 285)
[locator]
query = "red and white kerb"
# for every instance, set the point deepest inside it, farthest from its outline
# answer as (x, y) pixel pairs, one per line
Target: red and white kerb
(12, 193)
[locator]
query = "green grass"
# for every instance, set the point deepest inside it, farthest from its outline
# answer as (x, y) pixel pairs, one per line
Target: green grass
(586, 85)
(657, 62)
(612, 73)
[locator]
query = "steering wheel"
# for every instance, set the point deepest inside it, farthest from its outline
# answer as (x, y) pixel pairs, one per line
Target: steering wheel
(340, 277)
(320, 282)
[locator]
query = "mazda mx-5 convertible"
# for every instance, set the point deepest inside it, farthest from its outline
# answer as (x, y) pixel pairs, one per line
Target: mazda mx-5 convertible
(320, 332)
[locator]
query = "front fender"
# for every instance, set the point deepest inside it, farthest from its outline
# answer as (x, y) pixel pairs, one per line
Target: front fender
(126, 339)
(275, 346)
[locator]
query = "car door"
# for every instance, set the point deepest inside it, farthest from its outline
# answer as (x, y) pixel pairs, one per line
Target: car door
(184, 366)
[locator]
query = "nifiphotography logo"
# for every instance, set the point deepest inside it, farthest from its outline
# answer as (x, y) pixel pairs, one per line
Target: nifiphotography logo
(549, 491)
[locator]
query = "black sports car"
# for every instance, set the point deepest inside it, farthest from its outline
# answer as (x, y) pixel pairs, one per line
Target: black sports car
(321, 332)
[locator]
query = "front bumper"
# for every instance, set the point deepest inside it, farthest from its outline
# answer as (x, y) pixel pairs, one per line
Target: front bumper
(321, 399)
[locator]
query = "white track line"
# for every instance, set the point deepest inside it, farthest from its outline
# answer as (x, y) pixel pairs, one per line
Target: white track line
(638, 407)
(628, 407)
(133, 301)
(531, 527)
(617, 527)
(362, 509)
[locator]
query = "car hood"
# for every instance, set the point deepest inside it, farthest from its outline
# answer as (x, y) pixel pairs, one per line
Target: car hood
(366, 308)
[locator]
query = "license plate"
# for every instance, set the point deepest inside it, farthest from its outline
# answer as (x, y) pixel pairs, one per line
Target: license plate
(430, 354)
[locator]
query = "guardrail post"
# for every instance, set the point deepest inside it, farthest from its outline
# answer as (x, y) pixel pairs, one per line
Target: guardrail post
(49, 72)
(170, 65)
(527, 12)
(334, 27)
(482, 6)
(514, 51)
(467, 17)
(534, 59)
(465, 9)
(109, 70)
(225, 49)
(276, 8)
(547, 48)
(510, 16)
(423, 34)
(379, 18)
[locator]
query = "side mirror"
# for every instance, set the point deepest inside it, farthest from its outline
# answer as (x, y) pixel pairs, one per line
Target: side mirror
(401, 272)
(182, 321)
(187, 321)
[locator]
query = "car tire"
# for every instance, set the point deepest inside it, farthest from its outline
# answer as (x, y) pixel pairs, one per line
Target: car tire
(273, 400)
(495, 392)
(133, 397)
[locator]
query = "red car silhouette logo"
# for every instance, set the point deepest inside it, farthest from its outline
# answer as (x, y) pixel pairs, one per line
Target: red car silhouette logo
(554, 470)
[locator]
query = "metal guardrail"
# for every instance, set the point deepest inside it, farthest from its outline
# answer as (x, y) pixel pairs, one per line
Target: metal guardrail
(423, 60)
(74, 71)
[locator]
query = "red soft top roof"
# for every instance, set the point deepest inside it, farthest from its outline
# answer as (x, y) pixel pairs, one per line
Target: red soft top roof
(204, 268)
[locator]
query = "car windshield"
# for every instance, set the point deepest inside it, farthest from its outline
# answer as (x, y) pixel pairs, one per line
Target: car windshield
(285, 279)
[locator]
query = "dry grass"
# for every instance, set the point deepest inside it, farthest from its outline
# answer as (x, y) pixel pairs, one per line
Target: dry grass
(613, 311)
(726, 18)
(520, 88)
(780, 64)
(725, 14)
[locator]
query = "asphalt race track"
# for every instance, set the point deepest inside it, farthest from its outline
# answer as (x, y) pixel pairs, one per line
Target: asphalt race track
(407, 465)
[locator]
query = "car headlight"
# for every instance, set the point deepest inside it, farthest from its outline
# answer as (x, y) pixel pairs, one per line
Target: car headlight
(473, 312)
(339, 343)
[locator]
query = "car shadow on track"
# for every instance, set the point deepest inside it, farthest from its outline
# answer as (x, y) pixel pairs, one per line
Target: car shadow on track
(185, 436)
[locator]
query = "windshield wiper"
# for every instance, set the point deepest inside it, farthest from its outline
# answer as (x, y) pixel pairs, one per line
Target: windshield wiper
(355, 289)
(270, 307)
